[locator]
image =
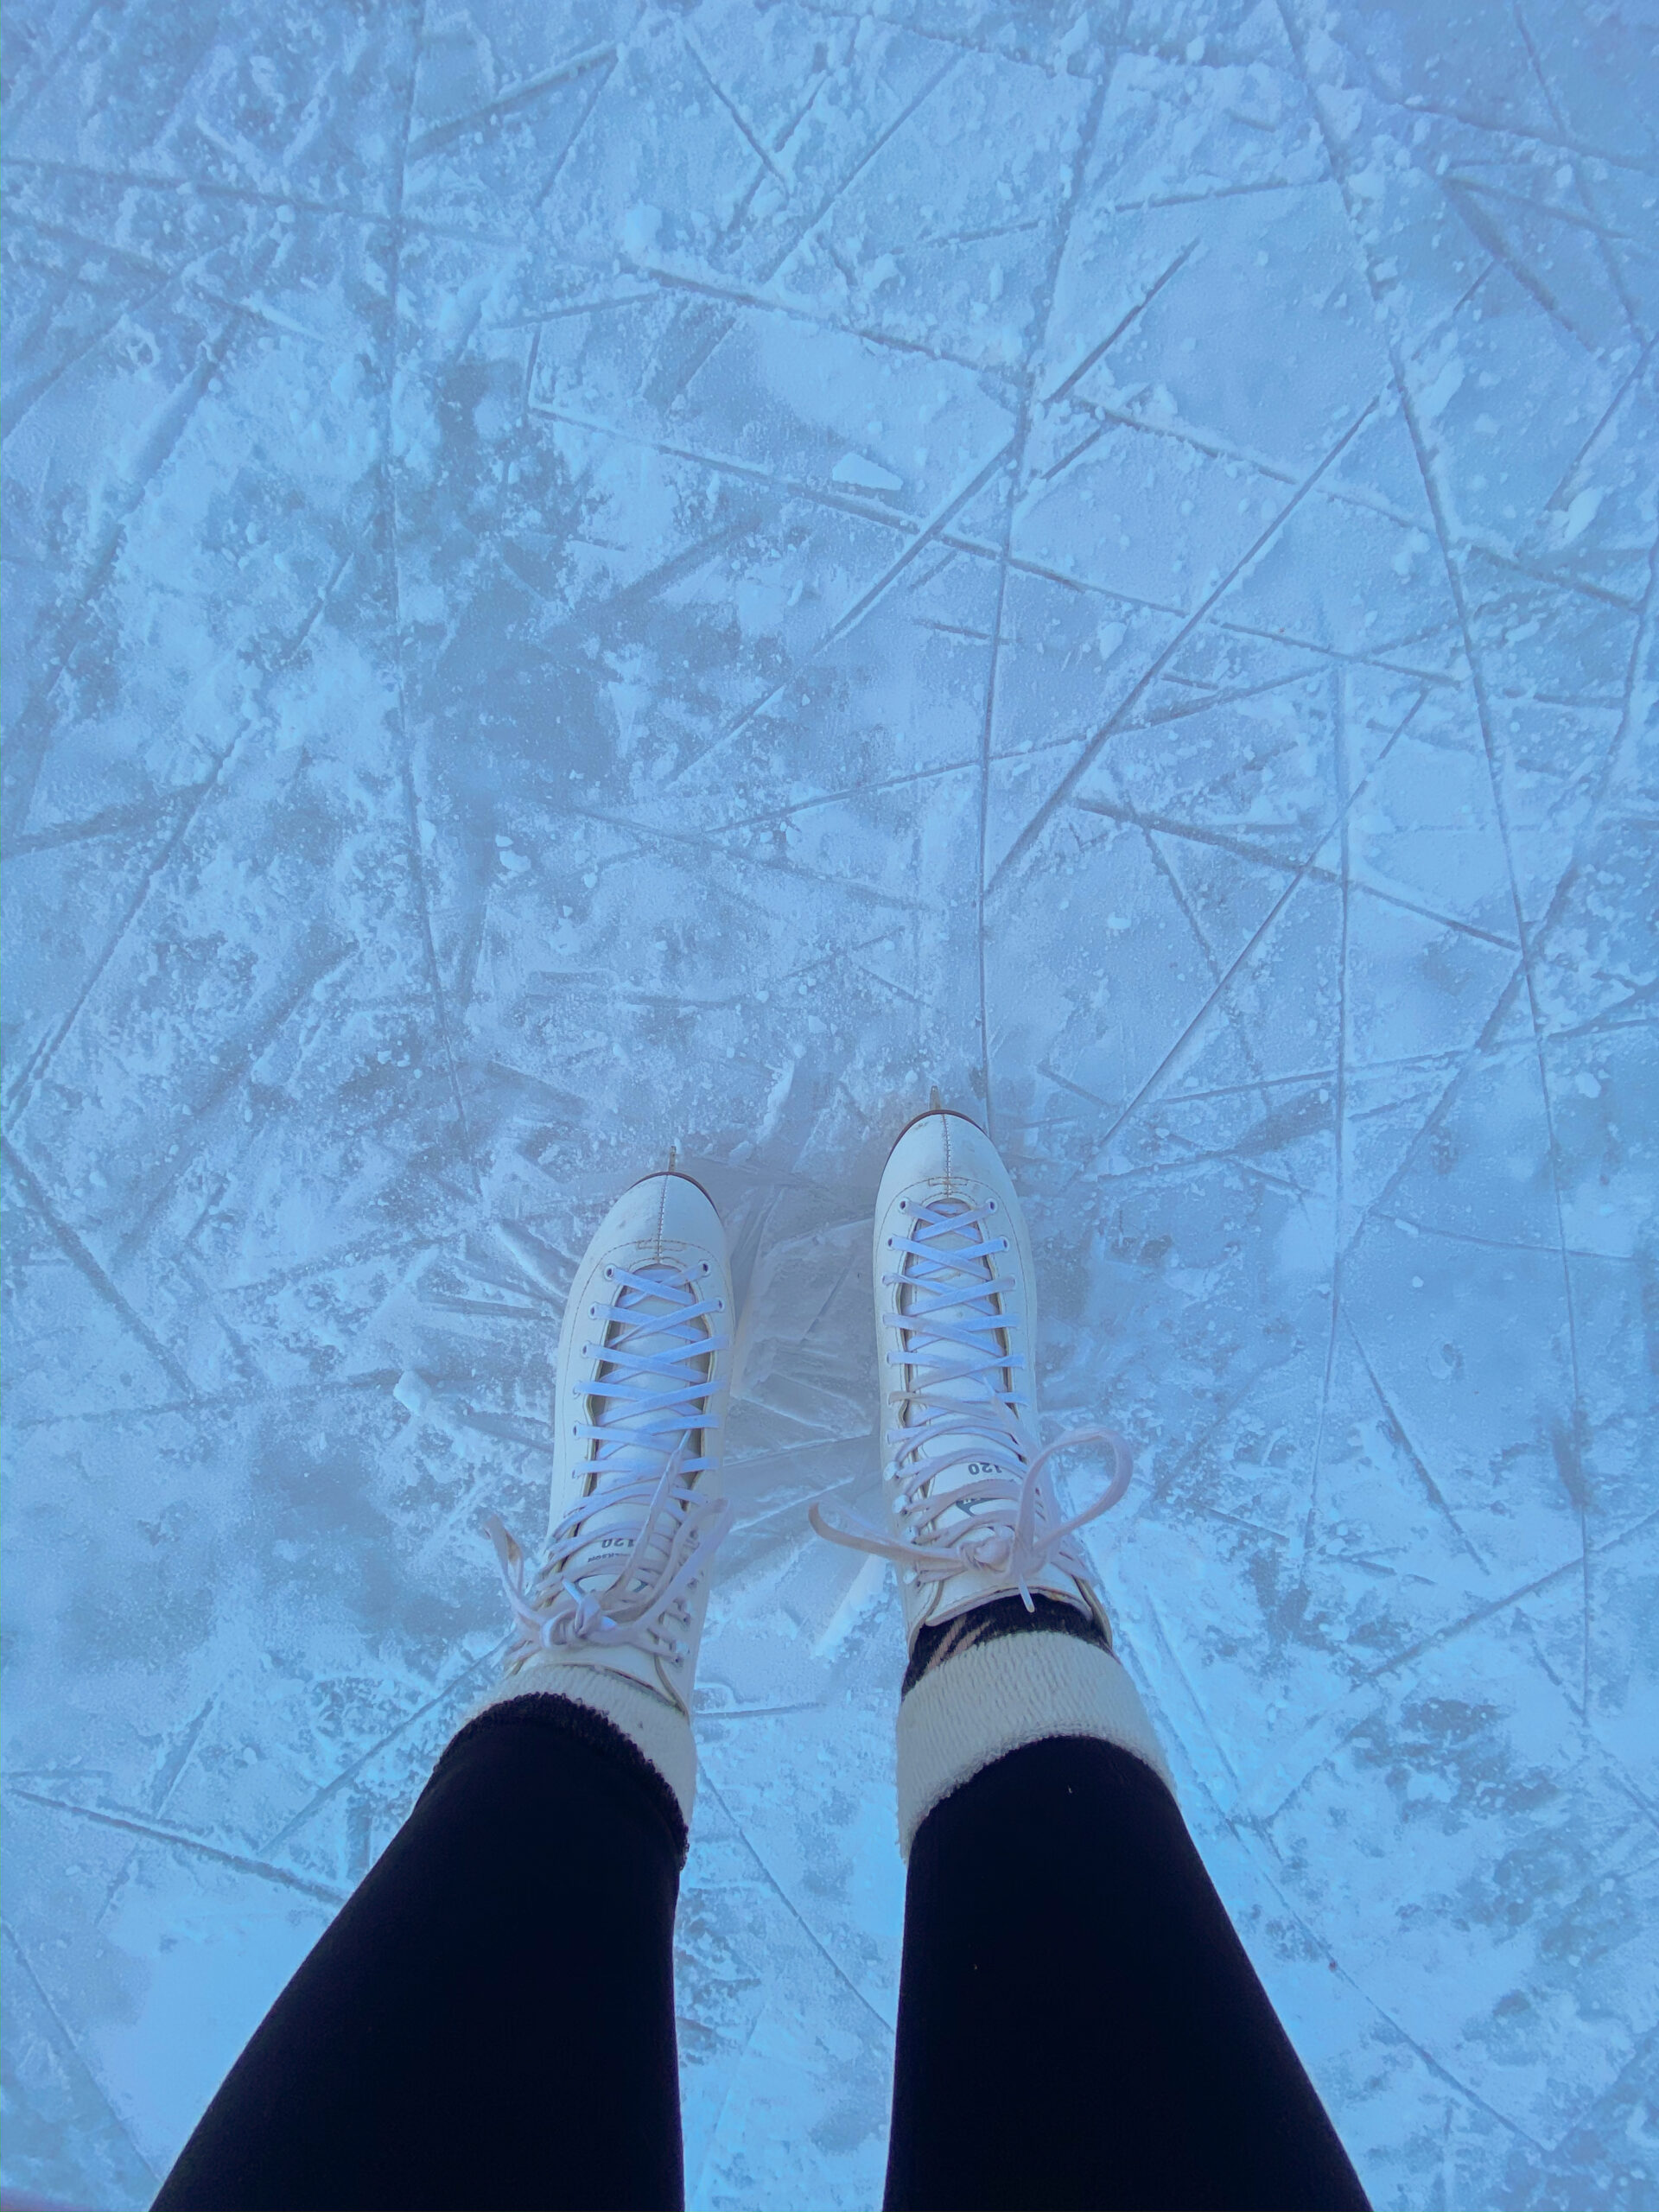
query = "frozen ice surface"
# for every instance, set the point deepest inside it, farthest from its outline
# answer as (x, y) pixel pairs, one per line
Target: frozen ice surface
(586, 577)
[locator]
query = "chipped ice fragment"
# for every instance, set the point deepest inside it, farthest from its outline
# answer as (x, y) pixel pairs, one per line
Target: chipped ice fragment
(865, 1591)
(1582, 513)
(1441, 392)
(641, 227)
(864, 475)
(1586, 1084)
(413, 1392)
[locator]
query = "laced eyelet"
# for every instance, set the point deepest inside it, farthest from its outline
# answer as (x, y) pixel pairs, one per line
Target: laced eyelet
(610, 1275)
(705, 1267)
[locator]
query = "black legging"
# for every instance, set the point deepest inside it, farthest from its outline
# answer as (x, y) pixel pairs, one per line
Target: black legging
(490, 2021)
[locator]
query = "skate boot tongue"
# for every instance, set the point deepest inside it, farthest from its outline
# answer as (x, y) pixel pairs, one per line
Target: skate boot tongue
(639, 1410)
(968, 1483)
(954, 1345)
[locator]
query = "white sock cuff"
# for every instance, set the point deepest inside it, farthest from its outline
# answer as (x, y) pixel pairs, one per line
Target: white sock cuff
(1012, 1690)
(660, 1731)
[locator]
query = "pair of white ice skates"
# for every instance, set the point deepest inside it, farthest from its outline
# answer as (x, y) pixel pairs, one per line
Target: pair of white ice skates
(643, 1374)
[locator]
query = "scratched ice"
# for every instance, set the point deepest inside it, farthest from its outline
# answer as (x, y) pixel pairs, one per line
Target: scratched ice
(582, 578)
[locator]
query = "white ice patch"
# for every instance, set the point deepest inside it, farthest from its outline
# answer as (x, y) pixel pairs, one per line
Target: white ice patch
(641, 227)
(1442, 390)
(864, 475)
(1582, 513)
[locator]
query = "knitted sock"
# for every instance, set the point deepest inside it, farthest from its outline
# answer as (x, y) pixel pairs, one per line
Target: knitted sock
(658, 1731)
(983, 1684)
(988, 1624)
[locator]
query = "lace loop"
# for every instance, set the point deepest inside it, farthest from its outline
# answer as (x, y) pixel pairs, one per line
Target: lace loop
(675, 1533)
(1011, 1546)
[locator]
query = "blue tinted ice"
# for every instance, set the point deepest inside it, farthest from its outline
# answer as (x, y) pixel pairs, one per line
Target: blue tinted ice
(582, 578)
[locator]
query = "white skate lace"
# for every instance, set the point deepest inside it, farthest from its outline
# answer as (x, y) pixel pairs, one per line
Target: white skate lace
(619, 1564)
(962, 1410)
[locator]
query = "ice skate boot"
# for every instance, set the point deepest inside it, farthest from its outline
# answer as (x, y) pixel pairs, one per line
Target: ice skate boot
(613, 1617)
(974, 1525)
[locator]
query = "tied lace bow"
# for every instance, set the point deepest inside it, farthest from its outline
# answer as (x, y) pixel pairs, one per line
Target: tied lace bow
(668, 1535)
(958, 1412)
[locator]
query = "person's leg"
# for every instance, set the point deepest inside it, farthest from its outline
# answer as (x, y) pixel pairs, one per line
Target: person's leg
(1078, 2024)
(490, 2021)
